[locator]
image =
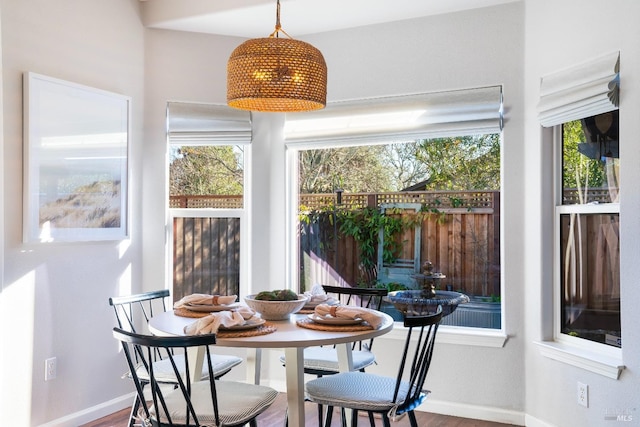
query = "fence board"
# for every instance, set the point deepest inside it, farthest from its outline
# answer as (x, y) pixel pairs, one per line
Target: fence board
(455, 271)
(198, 284)
(206, 256)
(207, 261)
(188, 254)
(473, 248)
(178, 250)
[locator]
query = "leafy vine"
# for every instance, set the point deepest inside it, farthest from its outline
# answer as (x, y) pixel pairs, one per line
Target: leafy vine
(364, 226)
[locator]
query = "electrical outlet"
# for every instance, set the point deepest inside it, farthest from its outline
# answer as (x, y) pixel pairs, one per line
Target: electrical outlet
(583, 394)
(50, 369)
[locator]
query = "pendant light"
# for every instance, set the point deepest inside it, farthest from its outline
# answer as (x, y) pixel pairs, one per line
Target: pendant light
(276, 74)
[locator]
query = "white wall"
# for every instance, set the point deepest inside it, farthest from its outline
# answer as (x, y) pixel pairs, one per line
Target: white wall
(560, 34)
(55, 297)
(469, 49)
(58, 295)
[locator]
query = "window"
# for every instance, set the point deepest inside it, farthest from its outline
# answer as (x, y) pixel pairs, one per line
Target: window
(581, 103)
(208, 153)
(587, 218)
(440, 152)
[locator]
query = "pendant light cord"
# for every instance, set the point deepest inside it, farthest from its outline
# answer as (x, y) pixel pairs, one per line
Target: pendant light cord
(279, 29)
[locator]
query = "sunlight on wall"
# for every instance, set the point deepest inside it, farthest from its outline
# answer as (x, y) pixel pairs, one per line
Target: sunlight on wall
(123, 247)
(318, 271)
(124, 281)
(45, 234)
(125, 287)
(17, 307)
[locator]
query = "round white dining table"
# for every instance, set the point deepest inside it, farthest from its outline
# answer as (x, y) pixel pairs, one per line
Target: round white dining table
(288, 336)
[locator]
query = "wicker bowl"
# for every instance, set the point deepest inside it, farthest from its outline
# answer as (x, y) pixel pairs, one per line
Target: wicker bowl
(275, 310)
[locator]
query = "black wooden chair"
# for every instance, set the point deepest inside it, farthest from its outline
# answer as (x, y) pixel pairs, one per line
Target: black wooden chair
(321, 361)
(132, 314)
(209, 402)
(363, 391)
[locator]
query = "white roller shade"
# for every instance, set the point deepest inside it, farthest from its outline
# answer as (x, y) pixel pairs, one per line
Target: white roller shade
(420, 116)
(206, 124)
(585, 90)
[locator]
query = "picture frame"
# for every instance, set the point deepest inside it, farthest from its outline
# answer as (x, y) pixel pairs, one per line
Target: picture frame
(76, 154)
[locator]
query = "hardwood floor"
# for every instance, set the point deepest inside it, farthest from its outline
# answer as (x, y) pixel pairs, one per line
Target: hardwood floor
(274, 417)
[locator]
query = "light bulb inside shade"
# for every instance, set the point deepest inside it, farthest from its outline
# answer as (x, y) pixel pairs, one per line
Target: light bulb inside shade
(260, 75)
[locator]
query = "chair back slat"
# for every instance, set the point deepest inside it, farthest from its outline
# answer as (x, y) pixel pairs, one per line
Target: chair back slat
(147, 347)
(134, 311)
(427, 328)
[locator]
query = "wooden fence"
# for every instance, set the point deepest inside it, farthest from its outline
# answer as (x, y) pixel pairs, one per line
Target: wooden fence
(206, 256)
(462, 241)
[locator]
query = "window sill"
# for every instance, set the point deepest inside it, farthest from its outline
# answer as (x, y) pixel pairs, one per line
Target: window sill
(607, 366)
(480, 337)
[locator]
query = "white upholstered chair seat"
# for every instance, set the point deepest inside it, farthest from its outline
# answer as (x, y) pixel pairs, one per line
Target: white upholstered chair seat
(357, 390)
(164, 371)
(326, 359)
(237, 402)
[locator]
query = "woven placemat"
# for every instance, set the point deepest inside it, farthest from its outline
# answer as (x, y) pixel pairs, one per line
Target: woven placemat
(184, 312)
(306, 311)
(263, 329)
(310, 324)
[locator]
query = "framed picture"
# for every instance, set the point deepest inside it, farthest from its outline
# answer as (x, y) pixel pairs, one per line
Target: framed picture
(75, 162)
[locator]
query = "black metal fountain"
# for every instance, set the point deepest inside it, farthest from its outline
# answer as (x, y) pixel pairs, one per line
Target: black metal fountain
(426, 299)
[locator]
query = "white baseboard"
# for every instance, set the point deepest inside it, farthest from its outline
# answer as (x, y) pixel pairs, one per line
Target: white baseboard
(476, 412)
(92, 413)
(531, 421)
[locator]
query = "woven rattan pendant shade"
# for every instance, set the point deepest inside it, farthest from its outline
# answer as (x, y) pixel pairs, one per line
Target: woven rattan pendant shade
(276, 74)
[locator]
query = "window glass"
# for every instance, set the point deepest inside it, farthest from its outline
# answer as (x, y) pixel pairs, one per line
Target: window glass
(449, 190)
(589, 230)
(590, 160)
(590, 266)
(206, 176)
(206, 185)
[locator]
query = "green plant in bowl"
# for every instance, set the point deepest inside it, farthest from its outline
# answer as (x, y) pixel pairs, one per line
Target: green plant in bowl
(275, 309)
(278, 295)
